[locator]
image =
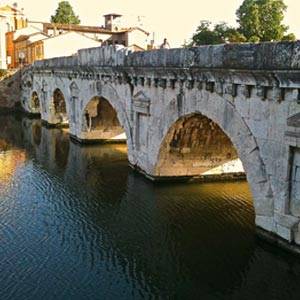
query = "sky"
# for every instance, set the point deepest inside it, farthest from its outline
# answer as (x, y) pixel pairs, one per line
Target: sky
(175, 20)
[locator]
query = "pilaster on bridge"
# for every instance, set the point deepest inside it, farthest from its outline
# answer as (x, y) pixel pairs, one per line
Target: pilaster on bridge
(186, 112)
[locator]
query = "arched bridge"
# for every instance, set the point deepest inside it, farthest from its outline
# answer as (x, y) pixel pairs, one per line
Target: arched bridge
(188, 113)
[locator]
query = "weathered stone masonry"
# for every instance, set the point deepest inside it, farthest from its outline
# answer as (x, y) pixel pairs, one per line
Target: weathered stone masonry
(10, 92)
(187, 110)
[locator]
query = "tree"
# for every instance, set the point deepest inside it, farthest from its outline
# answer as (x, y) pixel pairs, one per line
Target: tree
(221, 33)
(289, 37)
(234, 36)
(204, 35)
(64, 14)
(228, 34)
(261, 20)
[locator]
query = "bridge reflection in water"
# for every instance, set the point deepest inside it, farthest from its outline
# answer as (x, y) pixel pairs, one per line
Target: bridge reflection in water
(76, 222)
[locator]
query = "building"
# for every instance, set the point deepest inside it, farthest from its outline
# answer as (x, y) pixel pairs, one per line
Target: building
(114, 31)
(23, 50)
(39, 40)
(11, 19)
(38, 46)
(18, 34)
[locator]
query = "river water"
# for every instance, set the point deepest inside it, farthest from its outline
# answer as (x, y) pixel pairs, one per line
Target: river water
(78, 223)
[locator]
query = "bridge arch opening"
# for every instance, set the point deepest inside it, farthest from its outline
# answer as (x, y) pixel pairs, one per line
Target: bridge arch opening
(60, 107)
(196, 146)
(35, 103)
(100, 121)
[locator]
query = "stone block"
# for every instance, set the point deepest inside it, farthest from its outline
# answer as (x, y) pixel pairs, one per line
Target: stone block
(286, 226)
(287, 221)
(264, 206)
(265, 222)
(285, 233)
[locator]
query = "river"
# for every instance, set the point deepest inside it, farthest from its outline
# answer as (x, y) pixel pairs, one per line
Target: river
(77, 223)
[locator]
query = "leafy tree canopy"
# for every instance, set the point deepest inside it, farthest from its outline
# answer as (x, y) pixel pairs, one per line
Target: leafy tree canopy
(64, 14)
(262, 19)
(259, 21)
(221, 33)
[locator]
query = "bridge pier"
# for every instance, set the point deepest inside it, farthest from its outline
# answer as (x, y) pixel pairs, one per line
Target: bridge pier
(189, 113)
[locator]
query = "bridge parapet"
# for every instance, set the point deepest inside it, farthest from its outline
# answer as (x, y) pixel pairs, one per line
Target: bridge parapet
(264, 56)
(57, 62)
(266, 65)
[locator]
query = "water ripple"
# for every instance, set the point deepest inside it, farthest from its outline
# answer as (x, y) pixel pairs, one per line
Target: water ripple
(79, 224)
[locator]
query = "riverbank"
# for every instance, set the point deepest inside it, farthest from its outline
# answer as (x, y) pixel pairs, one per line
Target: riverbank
(10, 91)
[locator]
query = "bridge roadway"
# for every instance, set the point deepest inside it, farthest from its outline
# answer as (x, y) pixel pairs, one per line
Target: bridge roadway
(187, 113)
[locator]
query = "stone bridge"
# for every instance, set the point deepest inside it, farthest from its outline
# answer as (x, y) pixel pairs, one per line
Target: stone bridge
(187, 113)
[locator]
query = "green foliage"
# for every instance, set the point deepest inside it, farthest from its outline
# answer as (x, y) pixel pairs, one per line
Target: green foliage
(254, 39)
(259, 21)
(228, 34)
(289, 37)
(248, 18)
(235, 36)
(64, 14)
(204, 35)
(221, 33)
(262, 19)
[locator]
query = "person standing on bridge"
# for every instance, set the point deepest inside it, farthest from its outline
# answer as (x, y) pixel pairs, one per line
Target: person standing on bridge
(165, 44)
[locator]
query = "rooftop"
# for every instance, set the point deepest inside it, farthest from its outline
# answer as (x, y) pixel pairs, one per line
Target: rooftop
(88, 29)
(113, 14)
(28, 36)
(11, 9)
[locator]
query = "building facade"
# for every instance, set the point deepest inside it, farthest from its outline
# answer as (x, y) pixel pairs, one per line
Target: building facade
(11, 19)
(113, 32)
(38, 46)
(37, 40)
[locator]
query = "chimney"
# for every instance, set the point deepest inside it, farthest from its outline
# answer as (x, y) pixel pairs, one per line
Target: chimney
(109, 21)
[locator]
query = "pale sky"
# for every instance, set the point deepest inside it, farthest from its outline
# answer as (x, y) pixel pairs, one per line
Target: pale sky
(175, 20)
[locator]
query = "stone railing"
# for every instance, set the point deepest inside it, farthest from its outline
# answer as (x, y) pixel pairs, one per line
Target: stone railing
(264, 56)
(58, 62)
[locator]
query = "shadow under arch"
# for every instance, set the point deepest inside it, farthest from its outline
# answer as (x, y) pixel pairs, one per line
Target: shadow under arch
(197, 146)
(35, 103)
(60, 107)
(110, 94)
(237, 133)
(100, 121)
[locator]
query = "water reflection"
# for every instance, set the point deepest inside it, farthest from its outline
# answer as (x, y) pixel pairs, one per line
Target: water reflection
(10, 160)
(77, 223)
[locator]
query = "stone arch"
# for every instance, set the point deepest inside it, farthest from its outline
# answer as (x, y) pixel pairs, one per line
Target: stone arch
(225, 116)
(35, 103)
(109, 93)
(100, 120)
(197, 146)
(59, 107)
